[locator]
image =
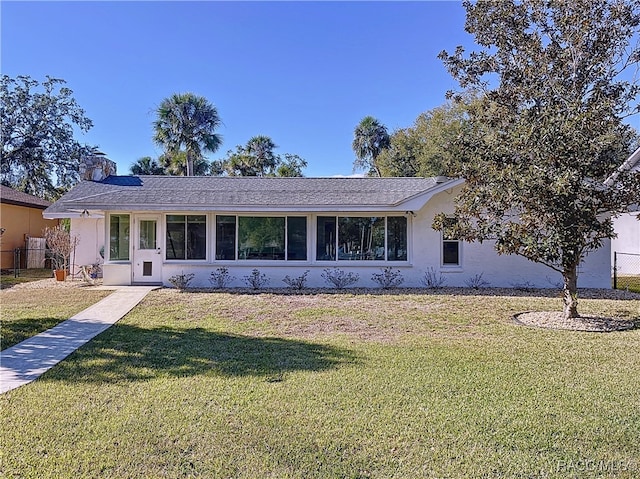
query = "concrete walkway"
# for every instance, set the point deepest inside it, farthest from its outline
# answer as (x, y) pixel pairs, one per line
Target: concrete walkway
(26, 361)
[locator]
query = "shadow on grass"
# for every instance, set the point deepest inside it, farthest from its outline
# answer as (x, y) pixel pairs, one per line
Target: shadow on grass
(128, 353)
(14, 332)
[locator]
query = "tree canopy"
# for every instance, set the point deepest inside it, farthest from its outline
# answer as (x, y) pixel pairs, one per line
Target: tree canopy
(370, 138)
(258, 158)
(40, 154)
(147, 166)
(426, 148)
(548, 128)
(187, 122)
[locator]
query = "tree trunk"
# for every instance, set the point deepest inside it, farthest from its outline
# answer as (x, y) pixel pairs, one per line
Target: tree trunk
(189, 164)
(570, 292)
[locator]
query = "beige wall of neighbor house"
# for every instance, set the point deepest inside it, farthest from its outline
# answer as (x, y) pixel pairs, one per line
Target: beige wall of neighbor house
(18, 222)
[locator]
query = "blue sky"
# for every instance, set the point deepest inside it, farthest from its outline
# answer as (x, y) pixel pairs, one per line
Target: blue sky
(302, 73)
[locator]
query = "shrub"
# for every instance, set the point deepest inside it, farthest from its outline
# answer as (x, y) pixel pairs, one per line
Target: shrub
(388, 278)
(181, 281)
(477, 282)
(256, 280)
(220, 278)
(433, 280)
(526, 286)
(60, 244)
(338, 278)
(297, 283)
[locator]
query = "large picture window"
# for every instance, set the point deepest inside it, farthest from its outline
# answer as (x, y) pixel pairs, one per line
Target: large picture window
(361, 238)
(186, 237)
(364, 238)
(119, 228)
(261, 238)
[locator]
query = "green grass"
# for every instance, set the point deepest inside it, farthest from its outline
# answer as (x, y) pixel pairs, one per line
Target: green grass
(323, 386)
(8, 279)
(28, 312)
(630, 283)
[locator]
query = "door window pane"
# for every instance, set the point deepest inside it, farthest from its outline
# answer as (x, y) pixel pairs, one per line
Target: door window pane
(119, 237)
(326, 244)
(396, 238)
(147, 234)
(225, 237)
(296, 238)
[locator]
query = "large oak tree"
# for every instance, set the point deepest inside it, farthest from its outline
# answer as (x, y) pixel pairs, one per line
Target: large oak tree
(40, 154)
(548, 128)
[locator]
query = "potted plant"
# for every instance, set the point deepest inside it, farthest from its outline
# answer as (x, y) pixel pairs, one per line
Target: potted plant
(61, 244)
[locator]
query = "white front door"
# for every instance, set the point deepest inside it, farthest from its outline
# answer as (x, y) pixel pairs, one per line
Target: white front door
(147, 254)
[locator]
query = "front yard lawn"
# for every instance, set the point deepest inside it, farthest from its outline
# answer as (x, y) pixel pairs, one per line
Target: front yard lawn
(27, 312)
(334, 385)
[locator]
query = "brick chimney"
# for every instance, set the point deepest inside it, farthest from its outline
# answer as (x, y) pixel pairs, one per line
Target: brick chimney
(96, 167)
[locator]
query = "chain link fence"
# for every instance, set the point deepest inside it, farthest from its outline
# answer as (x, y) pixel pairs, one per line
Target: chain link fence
(17, 262)
(626, 271)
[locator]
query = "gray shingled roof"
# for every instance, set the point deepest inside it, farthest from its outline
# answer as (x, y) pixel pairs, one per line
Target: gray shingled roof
(128, 193)
(13, 197)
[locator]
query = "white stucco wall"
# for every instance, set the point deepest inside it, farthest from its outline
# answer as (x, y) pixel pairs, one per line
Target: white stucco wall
(627, 227)
(424, 254)
(90, 232)
(497, 270)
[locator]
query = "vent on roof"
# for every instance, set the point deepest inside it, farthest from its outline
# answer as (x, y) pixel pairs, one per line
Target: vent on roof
(441, 179)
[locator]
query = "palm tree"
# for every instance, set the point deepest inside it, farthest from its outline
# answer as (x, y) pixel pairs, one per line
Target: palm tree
(369, 139)
(174, 164)
(187, 121)
(260, 150)
(147, 166)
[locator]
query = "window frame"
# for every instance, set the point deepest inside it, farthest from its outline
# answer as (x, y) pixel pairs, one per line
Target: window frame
(128, 234)
(336, 259)
(445, 239)
(247, 261)
(186, 223)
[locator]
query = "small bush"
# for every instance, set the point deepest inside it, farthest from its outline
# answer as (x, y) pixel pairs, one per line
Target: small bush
(477, 282)
(297, 283)
(388, 278)
(557, 284)
(221, 278)
(338, 278)
(181, 281)
(256, 280)
(433, 280)
(525, 286)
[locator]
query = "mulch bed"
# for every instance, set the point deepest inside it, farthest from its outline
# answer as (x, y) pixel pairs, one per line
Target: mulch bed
(554, 320)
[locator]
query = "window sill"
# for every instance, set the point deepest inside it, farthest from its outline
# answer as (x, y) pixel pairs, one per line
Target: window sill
(451, 269)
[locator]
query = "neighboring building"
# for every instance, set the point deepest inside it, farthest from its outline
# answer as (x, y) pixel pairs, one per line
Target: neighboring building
(20, 217)
(627, 228)
(160, 226)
